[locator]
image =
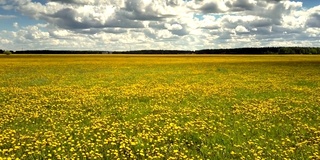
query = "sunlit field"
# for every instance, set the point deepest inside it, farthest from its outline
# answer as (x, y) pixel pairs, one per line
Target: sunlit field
(159, 107)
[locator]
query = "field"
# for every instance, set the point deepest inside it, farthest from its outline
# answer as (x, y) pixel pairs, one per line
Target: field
(159, 107)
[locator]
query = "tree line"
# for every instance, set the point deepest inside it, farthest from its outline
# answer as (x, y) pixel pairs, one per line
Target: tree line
(259, 51)
(265, 50)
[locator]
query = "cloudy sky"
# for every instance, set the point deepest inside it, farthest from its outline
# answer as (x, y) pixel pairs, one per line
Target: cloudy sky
(157, 24)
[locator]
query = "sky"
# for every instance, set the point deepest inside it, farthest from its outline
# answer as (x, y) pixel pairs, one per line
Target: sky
(118, 25)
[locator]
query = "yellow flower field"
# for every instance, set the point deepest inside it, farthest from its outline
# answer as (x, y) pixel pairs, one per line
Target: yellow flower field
(159, 107)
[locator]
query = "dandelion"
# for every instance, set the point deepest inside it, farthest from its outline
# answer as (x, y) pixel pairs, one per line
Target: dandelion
(97, 107)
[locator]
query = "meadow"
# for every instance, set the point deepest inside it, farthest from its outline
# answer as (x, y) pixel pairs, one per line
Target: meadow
(159, 107)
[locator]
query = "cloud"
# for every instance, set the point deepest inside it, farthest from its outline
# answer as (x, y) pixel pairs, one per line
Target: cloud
(241, 5)
(2, 2)
(147, 10)
(90, 2)
(241, 29)
(67, 1)
(206, 6)
(5, 41)
(34, 33)
(314, 17)
(16, 25)
(211, 7)
(161, 24)
(7, 16)
(314, 20)
(90, 17)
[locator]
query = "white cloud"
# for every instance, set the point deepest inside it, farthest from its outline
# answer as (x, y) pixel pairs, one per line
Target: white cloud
(173, 26)
(15, 25)
(161, 24)
(34, 33)
(241, 29)
(61, 33)
(5, 41)
(313, 32)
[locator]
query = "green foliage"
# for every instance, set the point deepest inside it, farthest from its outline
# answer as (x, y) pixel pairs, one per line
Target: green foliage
(7, 52)
(299, 50)
(254, 51)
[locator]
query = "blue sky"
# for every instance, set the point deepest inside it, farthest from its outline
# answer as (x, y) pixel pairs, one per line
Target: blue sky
(310, 3)
(157, 24)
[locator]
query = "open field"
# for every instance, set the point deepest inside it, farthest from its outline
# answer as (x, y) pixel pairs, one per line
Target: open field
(159, 107)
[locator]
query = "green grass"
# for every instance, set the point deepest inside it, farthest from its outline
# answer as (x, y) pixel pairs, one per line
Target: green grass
(162, 107)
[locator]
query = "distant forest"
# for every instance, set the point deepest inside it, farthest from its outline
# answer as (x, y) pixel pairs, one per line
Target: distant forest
(260, 51)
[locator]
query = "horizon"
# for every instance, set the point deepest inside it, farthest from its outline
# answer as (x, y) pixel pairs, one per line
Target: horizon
(128, 25)
(228, 51)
